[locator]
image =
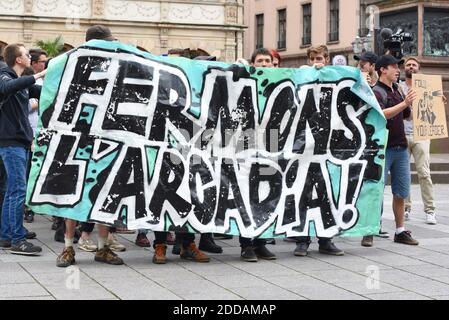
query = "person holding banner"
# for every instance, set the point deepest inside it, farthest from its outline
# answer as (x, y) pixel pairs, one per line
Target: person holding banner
(253, 249)
(420, 151)
(396, 108)
(104, 251)
(318, 58)
(16, 136)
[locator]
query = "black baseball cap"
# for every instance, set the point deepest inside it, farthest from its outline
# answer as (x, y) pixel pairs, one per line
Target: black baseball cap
(367, 56)
(99, 32)
(386, 60)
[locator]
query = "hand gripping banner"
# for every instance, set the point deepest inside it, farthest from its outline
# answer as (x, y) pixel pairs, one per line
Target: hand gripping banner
(128, 138)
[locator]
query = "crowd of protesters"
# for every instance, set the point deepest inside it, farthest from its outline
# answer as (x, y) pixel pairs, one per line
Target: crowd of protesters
(21, 78)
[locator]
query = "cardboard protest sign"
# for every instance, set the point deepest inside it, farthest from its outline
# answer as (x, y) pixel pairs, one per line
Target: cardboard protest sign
(128, 138)
(429, 115)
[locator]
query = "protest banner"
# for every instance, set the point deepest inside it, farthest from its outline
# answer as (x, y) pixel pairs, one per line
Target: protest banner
(429, 115)
(129, 138)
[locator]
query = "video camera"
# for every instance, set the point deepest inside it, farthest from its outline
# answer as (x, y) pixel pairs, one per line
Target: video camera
(393, 42)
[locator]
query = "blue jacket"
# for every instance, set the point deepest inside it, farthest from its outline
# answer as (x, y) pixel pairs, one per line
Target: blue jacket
(15, 92)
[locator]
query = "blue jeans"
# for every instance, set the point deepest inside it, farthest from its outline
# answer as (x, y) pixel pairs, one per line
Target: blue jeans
(2, 186)
(15, 163)
(397, 162)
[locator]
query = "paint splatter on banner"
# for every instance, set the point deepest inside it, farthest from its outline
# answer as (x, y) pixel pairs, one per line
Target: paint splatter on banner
(128, 138)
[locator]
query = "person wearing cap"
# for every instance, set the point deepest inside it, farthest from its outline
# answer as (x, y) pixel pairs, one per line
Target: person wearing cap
(396, 108)
(339, 60)
(367, 64)
(420, 151)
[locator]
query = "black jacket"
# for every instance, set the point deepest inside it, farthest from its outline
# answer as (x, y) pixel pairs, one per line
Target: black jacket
(15, 92)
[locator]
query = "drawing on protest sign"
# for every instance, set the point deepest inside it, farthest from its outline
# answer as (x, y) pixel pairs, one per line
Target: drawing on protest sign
(429, 116)
(128, 138)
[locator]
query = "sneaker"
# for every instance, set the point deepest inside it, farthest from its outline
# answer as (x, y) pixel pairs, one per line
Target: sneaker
(221, 236)
(106, 255)
(271, 241)
(176, 250)
(248, 255)
(25, 248)
(329, 248)
(170, 239)
(301, 248)
(114, 245)
(193, 253)
(66, 258)
(29, 216)
(160, 251)
(407, 214)
(5, 244)
(87, 245)
(430, 217)
(30, 234)
(405, 237)
(142, 240)
(125, 231)
(367, 241)
(383, 234)
(208, 244)
(263, 253)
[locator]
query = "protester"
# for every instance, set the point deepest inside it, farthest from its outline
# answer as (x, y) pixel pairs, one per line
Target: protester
(420, 151)
(339, 60)
(38, 61)
(15, 141)
(252, 250)
(318, 57)
(276, 58)
(367, 64)
(396, 108)
(104, 252)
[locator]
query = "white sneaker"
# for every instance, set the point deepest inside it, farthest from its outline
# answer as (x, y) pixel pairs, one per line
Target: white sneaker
(87, 245)
(407, 214)
(430, 217)
(114, 245)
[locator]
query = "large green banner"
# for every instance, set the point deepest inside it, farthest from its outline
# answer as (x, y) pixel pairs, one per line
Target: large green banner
(128, 138)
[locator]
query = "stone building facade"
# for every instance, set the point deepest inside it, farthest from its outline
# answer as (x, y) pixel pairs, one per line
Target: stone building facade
(212, 26)
(292, 26)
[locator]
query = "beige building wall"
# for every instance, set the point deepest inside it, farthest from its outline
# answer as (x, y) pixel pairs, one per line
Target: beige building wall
(215, 26)
(295, 52)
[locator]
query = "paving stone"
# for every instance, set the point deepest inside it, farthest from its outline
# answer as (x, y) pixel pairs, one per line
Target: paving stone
(400, 295)
(266, 292)
(22, 290)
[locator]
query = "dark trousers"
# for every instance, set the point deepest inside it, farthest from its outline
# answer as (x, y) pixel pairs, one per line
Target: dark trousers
(248, 242)
(183, 238)
(89, 227)
(307, 239)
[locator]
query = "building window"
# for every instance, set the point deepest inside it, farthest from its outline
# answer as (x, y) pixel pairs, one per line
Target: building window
(334, 11)
(306, 24)
(259, 31)
(436, 34)
(282, 27)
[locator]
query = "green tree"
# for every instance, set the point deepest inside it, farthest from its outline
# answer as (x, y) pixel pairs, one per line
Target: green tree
(52, 47)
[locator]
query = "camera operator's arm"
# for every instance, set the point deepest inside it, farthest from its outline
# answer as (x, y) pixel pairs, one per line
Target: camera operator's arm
(394, 111)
